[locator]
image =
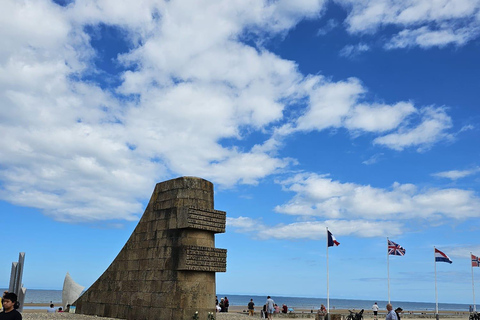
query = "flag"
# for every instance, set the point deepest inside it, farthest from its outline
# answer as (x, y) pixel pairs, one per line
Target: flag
(441, 257)
(395, 249)
(331, 240)
(475, 261)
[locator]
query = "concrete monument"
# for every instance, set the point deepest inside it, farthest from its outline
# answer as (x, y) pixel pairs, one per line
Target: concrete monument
(16, 275)
(166, 270)
(71, 291)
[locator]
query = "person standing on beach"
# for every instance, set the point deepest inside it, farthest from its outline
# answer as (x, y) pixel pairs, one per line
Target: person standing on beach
(251, 307)
(270, 304)
(9, 312)
(398, 311)
(375, 311)
(391, 315)
(222, 305)
(227, 304)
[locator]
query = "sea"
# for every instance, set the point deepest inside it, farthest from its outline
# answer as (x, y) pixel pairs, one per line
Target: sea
(55, 297)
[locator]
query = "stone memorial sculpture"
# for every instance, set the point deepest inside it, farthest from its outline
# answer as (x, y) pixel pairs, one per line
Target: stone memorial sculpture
(71, 291)
(16, 275)
(166, 270)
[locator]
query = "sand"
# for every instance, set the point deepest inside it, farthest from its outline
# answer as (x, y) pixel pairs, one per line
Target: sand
(220, 316)
(236, 313)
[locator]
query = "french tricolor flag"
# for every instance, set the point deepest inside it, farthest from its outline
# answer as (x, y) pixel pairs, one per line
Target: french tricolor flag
(331, 240)
(441, 257)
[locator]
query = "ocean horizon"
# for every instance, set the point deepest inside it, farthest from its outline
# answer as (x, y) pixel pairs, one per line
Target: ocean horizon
(55, 296)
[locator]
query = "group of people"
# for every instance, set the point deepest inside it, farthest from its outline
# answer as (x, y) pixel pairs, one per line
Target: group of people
(52, 309)
(391, 314)
(9, 303)
(269, 308)
(10, 306)
(223, 305)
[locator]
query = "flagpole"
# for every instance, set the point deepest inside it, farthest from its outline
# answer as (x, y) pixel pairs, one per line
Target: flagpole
(473, 284)
(328, 289)
(436, 293)
(388, 272)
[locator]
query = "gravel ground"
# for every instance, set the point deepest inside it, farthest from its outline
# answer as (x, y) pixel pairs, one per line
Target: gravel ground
(45, 316)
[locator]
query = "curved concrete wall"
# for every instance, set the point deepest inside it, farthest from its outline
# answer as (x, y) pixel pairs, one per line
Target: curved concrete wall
(166, 270)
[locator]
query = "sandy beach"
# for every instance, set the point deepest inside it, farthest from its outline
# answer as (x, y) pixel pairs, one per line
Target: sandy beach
(239, 312)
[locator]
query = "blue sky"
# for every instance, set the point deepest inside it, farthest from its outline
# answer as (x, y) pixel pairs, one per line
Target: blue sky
(360, 116)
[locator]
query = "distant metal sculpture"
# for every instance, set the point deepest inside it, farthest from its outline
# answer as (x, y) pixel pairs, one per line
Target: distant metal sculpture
(71, 291)
(16, 275)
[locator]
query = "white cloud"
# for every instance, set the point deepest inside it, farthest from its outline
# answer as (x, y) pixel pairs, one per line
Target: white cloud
(432, 129)
(467, 128)
(426, 23)
(189, 83)
(462, 251)
(315, 230)
(339, 105)
(330, 102)
(378, 117)
(424, 37)
(331, 24)
(351, 51)
(358, 210)
(320, 196)
(373, 159)
(457, 174)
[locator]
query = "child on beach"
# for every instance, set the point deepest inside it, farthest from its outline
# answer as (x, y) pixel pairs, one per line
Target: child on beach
(9, 312)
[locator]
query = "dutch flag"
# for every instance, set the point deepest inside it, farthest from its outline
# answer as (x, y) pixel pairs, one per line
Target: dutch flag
(441, 257)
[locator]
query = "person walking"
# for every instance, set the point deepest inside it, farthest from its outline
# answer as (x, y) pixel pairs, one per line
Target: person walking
(391, 315)
(270, 304)
(375, 311)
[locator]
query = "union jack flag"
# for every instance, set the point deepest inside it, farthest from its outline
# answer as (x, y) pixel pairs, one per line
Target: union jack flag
(395, 249)
(475, 261)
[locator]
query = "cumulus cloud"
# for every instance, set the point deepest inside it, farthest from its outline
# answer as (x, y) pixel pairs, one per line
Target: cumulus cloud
(320, 196)
(339, 105)
(329, 103)
(378, 117)
(358, 210)
(82, 149)
(432, 128)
